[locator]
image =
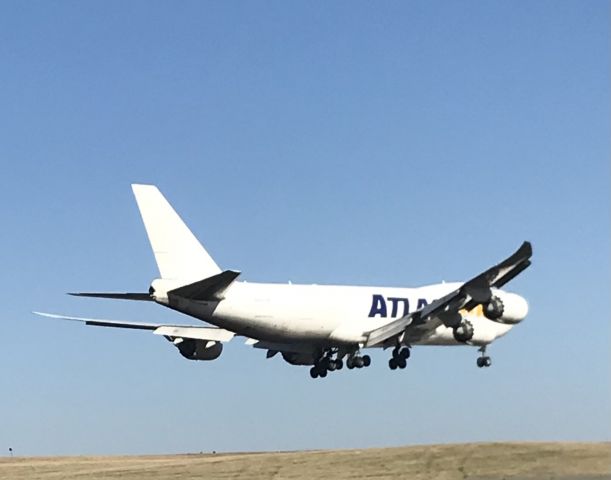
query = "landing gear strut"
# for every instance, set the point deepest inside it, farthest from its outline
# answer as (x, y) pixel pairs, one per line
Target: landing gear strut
(399, 358)
(483, 360)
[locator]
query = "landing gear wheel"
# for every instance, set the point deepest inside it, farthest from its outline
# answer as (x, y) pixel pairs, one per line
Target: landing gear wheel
(331, 366)
(366, 360)
(339, 364)
(392, 364)
(405, 353)
(358, 362)
(322, 373)
(314, 372)
(484, 361)
(401, 362)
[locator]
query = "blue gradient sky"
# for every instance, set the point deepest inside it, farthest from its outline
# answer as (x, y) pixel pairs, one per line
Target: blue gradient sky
(395, 143)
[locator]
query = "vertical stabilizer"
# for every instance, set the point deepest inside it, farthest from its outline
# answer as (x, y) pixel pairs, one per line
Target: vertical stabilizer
(178, 254)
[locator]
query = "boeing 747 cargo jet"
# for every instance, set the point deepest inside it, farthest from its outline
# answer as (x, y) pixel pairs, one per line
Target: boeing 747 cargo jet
(321, 326)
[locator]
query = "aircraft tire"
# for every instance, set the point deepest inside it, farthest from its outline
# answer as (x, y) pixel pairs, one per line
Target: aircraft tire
(480, 362)
(314, 372)
(366, 360)
(339, 364)
(405, 353)
(487, 361)
(322, 373)
(358, 362)
(392, 364)
(401, 362)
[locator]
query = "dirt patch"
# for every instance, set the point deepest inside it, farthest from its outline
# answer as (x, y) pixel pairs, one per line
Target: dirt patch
(512, 461)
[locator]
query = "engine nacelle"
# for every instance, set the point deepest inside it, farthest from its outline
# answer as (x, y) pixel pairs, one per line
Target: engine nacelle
(298, 358)
(503, 307)
(199, 349)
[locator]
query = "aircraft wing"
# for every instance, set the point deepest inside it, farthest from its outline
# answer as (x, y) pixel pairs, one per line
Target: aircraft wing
(445, 310)
(195, 332)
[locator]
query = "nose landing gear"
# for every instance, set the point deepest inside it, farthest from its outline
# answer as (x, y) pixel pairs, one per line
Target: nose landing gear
(483, 360)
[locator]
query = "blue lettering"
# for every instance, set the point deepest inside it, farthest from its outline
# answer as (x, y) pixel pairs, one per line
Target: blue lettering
(378, 306)
(422, 303)
(395, 305)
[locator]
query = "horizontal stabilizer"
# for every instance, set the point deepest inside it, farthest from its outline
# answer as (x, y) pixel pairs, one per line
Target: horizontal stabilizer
(146, 297)
(209, 289)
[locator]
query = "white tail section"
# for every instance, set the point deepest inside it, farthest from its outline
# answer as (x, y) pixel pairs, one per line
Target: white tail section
(178, 253)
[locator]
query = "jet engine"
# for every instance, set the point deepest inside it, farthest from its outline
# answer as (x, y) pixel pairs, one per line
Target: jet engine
(504, 307)
(298, 358)
(199, 349)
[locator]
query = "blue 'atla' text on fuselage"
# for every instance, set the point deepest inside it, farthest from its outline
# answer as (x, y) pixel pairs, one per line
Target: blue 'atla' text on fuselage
(398, 305)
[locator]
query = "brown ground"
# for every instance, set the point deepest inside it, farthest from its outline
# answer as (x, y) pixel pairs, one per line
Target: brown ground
(565, 461)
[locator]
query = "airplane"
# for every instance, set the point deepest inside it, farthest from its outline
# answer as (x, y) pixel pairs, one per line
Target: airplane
(320, 326)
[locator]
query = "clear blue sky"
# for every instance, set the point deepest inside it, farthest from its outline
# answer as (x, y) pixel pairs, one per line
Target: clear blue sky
(389, 143)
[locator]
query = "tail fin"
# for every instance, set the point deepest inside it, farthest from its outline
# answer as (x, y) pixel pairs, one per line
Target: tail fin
(178, 254)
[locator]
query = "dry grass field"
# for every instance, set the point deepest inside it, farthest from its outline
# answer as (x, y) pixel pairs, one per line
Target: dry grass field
(566, 461)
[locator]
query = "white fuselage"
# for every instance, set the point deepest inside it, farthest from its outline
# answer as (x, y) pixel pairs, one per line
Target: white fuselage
(324, 314)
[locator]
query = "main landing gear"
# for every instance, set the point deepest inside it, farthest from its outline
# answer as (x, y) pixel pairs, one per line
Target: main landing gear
(483, 360)
(324, 365)
(356, 361)
(327, 363)
(399, 358)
